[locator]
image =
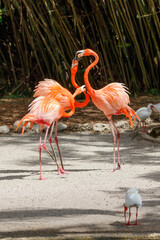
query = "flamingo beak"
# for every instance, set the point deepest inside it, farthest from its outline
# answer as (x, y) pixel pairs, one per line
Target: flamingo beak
(78, 55)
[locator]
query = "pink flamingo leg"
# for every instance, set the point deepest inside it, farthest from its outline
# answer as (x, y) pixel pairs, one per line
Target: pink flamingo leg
(118, 140)
(40, 156)
(60, 170)
(56, 140)
(114, 142)
(50, 141)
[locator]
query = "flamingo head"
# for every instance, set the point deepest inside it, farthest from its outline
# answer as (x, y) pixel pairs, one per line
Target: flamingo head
(79, 90)
(74, 66)
(125, 210)
(85, 52)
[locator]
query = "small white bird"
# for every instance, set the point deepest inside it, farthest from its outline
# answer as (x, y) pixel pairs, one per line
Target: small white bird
(132, 199)
(145, 112)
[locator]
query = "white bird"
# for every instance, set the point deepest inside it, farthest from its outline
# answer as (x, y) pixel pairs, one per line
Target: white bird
(132, 199)
(145, 112)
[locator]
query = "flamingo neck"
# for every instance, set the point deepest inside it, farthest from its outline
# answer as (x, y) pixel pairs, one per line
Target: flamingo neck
(84, 103)
(86, 81)
(87, 99)
(72, 110)
(73, 80)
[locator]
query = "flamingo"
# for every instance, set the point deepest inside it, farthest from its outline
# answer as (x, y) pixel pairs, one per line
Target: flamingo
(144, 112)
(132, 199)
(45, 111)
(112, 99)
(51, 88)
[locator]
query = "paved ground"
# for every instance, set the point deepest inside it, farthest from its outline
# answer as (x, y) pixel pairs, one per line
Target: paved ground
(86, 202)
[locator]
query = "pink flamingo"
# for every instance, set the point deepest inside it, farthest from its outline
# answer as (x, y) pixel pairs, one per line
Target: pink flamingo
(51, 88)
(111, 99)
(45, 111)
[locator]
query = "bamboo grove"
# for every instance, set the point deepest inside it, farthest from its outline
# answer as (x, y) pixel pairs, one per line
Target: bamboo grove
(38, 39)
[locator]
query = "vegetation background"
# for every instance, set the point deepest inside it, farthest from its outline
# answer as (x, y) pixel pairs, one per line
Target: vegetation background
(38, 39)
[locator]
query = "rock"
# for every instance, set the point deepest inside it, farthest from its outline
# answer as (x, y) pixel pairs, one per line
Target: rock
(36, 128)
(101, 127)
(148, 120)
(20, 127)
(85, 127)
(61, 126)
(4, 129)
(122, 124)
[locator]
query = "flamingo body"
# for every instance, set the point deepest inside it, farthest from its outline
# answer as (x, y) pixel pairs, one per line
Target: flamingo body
(45, 111)
(112, 99)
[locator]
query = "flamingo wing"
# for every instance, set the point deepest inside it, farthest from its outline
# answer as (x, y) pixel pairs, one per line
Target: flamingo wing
(50, 88)
(116, 95)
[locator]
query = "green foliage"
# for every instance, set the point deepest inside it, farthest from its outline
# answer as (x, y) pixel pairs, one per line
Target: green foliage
(39, 39)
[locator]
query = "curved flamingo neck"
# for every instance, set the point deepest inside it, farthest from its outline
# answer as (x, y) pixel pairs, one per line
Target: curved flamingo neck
(84, 103)
(73, 80)
(72, 110)
(86, 81)
(87, 97)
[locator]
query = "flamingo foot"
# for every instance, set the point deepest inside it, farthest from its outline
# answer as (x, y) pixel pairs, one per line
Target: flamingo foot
(62, 171)
(42, 178)
(117, 168)
(136, 223)
(127, 224)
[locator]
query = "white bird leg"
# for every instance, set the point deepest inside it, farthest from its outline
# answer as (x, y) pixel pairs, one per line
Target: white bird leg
(129, 216)
(136, 216)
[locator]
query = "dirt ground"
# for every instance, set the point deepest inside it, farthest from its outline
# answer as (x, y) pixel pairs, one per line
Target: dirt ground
(14, 109)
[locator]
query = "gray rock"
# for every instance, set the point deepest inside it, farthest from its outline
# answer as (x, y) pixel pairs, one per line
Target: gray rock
(122, 124)
(36, 128)
(20, 127)
(101, 127)
(4, 129)
(61, 126)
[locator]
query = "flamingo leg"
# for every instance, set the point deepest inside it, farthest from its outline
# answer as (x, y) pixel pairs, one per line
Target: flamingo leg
(40, 156)
(50, 141)
(118, 140)
(114, 142)
(56, 140)
(60, 170)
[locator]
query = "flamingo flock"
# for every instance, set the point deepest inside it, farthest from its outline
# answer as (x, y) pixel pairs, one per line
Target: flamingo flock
(52, 100)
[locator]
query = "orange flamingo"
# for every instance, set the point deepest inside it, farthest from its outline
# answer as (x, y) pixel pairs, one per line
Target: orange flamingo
(112, 99)
(45, 111)
(51, 88)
